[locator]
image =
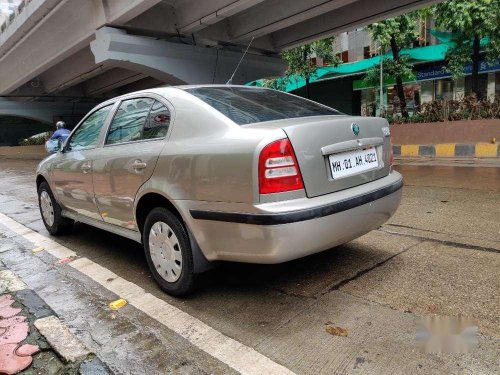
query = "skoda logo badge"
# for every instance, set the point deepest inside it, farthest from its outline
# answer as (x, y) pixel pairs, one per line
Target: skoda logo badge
(355, 128)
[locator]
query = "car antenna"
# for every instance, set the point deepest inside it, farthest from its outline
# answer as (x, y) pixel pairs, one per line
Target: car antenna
(230, 81)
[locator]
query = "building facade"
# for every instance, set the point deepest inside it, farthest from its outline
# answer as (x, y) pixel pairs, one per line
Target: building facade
(431, 81)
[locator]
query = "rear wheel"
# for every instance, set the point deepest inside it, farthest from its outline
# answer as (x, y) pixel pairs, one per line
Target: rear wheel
(168, 252)
(51, 212)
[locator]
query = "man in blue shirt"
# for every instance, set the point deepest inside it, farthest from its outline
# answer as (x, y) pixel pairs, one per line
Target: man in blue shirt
(61, 133)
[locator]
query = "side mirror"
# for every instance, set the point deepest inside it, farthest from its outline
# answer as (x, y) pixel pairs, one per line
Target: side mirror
(53, 146)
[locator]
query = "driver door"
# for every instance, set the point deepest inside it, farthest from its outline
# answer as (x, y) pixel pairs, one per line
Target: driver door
(72, 172)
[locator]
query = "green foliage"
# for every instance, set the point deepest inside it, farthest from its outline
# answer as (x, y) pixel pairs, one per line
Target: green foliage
(274, 83)
(396, 33)
(468, 108)
(299, 58)
(402, 28)
(493, 48)
(469, 19)
(33, 141)
(402, 68)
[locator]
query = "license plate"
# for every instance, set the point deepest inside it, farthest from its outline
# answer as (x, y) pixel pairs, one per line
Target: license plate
(346, 164)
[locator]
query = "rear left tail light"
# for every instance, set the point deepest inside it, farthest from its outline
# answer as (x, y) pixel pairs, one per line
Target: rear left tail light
(278, 168)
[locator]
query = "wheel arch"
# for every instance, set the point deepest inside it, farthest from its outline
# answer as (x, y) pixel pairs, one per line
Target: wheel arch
(151, 200)
(39, 179)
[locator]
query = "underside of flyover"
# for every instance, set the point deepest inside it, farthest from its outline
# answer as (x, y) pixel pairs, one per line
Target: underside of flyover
(63, 52)
(15, 129)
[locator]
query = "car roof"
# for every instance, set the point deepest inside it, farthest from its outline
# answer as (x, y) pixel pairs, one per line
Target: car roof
(161, 90)
(185, 87)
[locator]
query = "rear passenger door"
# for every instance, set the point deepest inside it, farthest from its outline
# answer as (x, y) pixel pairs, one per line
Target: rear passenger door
(131, 148)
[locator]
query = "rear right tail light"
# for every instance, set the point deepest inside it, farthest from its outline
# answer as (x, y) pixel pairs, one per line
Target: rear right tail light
(278, 168)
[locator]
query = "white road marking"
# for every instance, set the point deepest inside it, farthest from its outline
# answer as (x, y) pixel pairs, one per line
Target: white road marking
(236, 355)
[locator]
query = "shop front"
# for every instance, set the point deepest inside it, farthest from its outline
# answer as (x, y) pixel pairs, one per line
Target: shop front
(431, 82)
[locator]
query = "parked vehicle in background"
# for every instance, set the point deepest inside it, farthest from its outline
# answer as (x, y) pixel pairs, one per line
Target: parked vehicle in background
(200, 174)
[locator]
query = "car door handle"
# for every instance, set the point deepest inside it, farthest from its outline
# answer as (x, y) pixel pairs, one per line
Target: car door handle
(139, 165)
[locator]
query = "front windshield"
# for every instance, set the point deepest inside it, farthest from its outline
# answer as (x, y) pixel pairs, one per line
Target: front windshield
(248, 105)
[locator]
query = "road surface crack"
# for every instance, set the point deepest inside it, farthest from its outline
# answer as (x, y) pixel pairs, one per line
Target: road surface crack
(434, 231)
(445, 242)
(362, 272)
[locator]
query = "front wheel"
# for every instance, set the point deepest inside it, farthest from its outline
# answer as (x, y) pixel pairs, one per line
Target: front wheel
(50, 210)
(168, 252)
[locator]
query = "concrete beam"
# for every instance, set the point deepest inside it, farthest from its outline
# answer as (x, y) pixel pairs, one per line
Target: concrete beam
(159, 20)
(142, 84)
(24, 22)
(194, 15)
(41, 111)
(176, 63)
(59, 29)
(77, 68)
(122, 11)
(357, 14)
(67, 29)
(274, 15)
(110, 80)
(278, 24)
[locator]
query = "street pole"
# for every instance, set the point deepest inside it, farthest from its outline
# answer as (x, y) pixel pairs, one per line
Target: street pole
(381, 83)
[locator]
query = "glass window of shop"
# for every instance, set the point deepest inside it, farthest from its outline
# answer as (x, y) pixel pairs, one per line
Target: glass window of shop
(369, 102)
(412, 97)
(497, 83)
(443, 89)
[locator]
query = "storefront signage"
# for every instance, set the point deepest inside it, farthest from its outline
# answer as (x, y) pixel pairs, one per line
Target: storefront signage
(440, 71)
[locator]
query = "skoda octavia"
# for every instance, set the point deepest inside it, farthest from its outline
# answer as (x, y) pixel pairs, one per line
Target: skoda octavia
(200, 174)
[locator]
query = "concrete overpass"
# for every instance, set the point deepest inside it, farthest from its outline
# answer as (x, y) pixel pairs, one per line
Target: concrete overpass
(74, 49)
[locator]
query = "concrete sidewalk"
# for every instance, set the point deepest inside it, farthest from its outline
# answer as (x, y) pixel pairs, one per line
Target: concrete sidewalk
(32, 338)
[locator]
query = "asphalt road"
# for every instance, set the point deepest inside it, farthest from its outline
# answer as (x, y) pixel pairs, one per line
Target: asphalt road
(438, 255)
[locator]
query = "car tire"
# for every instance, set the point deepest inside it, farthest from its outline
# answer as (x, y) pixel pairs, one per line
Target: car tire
(50, 211)
(168, 252)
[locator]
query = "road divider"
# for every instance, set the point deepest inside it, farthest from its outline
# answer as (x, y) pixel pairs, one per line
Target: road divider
(448, 150)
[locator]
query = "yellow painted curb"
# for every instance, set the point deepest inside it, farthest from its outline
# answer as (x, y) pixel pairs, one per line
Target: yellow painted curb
(38, 249)
(409, 150)
(445, 150)
(486, 150)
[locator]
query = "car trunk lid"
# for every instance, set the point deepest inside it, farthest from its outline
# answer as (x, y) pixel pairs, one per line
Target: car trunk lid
(320, 141)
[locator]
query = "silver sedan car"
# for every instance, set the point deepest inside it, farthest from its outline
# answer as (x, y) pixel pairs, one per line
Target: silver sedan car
(200, 174)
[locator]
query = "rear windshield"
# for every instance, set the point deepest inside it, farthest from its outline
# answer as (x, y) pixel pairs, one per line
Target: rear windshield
(250, 105)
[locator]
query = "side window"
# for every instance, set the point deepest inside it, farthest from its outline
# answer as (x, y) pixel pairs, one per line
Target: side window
(87, 134)
(157, 122)
(129, 120)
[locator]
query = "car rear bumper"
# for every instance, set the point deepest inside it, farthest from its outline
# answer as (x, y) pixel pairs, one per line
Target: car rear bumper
(282, 231)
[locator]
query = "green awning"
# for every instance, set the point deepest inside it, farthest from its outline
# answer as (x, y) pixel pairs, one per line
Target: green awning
(447, 37)
(420, 54)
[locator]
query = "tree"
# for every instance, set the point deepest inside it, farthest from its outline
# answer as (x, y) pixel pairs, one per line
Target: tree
(395, 34)
(470, 21)
(299, 59)
(274, 83)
